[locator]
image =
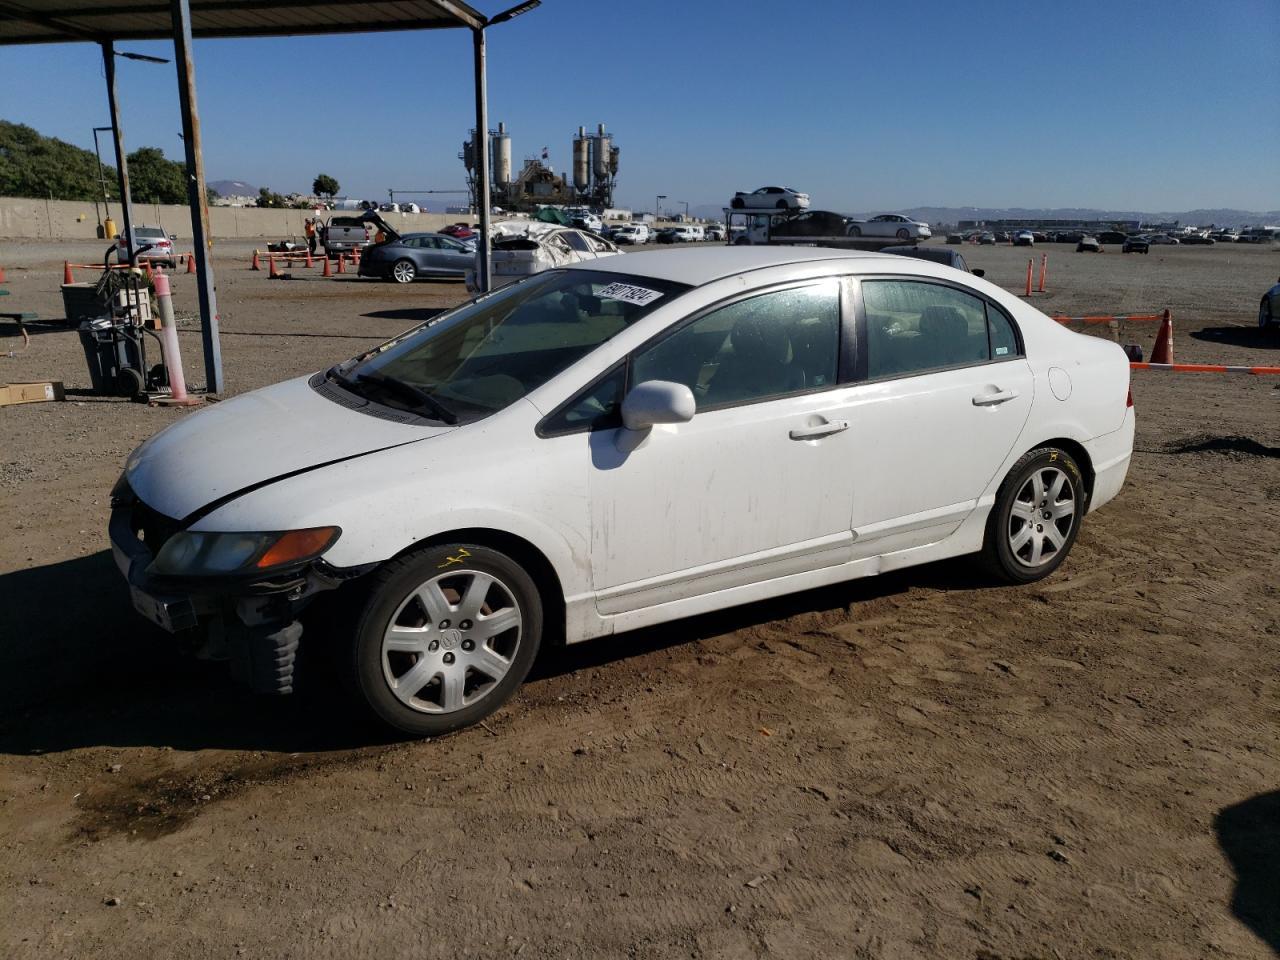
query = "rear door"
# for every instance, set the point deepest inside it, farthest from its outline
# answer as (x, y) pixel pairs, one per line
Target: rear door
(944, 392)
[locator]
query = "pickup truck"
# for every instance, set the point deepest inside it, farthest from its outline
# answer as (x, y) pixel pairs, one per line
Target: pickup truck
(344, 234)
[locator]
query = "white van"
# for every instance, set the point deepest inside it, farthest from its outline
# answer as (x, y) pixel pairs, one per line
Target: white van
(689, 233)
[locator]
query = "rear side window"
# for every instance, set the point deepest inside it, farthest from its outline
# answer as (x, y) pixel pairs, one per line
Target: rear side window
(915, 327)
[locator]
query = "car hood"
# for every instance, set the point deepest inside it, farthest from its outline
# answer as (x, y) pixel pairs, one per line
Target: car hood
(252, 440)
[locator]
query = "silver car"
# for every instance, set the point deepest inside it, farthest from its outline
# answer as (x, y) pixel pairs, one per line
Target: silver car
(415, 255)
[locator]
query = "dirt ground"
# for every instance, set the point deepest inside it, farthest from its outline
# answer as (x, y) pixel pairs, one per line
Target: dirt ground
(917, 765)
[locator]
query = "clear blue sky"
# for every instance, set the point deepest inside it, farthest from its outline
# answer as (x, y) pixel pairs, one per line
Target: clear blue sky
(1160, 105)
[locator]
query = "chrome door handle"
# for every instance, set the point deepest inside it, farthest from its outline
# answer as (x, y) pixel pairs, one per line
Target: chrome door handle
(991, 399)
(824, 429)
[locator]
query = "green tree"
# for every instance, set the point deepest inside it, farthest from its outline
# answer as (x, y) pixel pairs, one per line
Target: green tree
(324, 186)
(269, 198)
(32, 165)
(153, 179)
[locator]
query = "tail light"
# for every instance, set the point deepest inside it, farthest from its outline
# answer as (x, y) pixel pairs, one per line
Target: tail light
(1128, 400)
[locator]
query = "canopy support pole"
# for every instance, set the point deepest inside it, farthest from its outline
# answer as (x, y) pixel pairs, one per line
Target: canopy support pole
(482, 160)
(197, 195)
(117, 140)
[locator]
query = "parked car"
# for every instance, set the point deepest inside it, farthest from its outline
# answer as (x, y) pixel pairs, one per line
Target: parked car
(630, 233)
(1196, 239)
(688, 233)
(1087, 244)
(770, 198)
(890, 225)
(1135, 245)
(714, 231)
(948, 258)
(1225, 236)
(955, 238)
(1269, 310)
(459, 231)
(149, 243)
(588, 221)
(415, 255)
(390, 208)
(523, 247)
(811, 223)
(688, 440)
(986, 239)
(666, 235)
(1112, 236)
(1024, 238)
(344, 234)
(1161, 239)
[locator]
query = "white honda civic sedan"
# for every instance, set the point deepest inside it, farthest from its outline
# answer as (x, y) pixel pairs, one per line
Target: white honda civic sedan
(616, 444)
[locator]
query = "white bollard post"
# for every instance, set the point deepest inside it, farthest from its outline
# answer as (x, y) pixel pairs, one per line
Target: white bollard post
(169, 346)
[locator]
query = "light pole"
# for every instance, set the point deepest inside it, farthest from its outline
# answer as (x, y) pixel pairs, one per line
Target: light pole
(482, 133)
(686, 209)
(97, 150)
(657, 207)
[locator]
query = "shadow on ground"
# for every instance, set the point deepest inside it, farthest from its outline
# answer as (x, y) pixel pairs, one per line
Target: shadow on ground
(79, 668)
(1242, 336)
(412, 314)
(1232, 444)
(1249, 834)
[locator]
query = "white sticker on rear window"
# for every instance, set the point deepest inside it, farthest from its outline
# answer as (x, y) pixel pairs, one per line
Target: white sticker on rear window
(628, 293)
(1001, 351)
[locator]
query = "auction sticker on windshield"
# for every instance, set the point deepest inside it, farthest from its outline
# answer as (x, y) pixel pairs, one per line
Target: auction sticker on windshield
(628, 293)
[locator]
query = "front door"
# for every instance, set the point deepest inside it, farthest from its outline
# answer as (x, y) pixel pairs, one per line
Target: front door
(757, 484)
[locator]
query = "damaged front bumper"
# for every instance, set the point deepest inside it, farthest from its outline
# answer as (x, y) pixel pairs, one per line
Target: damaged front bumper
(252, 621)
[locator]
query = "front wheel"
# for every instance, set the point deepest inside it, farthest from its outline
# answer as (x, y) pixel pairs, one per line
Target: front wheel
(1036, 517)
(403, 271)
(736, 203)
(445, 637)
(855, 231)
(903, 234)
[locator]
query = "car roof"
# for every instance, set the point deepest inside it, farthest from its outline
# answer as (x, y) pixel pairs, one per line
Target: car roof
(696, 267)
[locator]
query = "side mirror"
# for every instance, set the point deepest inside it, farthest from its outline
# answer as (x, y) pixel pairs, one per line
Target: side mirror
(979, 272)
(657, 401)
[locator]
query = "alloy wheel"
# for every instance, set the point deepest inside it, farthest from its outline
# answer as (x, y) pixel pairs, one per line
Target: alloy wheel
(451, 641)
(403, 271)
(1041, 516)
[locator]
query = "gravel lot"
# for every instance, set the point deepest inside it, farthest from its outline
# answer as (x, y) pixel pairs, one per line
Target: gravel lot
(918, 765)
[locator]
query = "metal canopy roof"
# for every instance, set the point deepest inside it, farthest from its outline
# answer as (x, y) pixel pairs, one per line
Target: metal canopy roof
(67, 21)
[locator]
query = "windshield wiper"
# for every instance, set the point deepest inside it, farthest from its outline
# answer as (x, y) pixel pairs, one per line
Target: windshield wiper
(409, 392)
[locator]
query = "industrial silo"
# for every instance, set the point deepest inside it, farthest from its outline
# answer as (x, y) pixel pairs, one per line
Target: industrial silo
(501, 149)
(581, 161)
(600, 154)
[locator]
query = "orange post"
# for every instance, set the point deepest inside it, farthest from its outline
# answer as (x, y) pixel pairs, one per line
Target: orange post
(328, 270)
(1029, 270)
(150, 273)
(2, 280)
(67, 275)
(255, 265)
(191, 262)
(1044, 268)
(1162, 352)
(310, 262)
(342, 258)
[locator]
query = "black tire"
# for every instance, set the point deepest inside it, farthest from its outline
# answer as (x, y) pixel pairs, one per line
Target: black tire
(390, 587)
(736, 203)
(855, 231)
(998, 555)
(129, 382)
(403, 271)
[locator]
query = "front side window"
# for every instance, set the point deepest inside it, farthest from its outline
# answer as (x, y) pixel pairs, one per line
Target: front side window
(489, 353)
(766, 346)
(576, 240)
(914, 327)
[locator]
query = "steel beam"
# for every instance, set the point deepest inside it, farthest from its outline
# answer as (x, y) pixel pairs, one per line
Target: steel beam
(197, 195)
(482, 161)
(117, 138)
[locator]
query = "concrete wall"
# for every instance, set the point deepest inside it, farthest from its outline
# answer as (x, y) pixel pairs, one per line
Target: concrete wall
(22, 218)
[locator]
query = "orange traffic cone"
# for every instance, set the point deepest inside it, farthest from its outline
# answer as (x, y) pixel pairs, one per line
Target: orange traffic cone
(67, 276)
(150, 274)
(1162, 352)
(328, 270)
(310, 262)
(191, 262)
(342, 259)
(255, 265)
(2, 275)
(274, 274)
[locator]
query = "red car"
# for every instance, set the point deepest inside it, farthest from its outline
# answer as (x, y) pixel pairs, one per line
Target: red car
(460, 230)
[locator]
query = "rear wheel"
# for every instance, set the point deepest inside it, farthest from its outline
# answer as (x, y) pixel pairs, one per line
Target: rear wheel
(404, 271)
(782, 205)
(446, 636)
(855, 231)
(736, 203)
(903, 234)
(1036, 517)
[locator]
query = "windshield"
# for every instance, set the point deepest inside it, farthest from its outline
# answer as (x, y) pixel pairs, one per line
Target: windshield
(491, 352)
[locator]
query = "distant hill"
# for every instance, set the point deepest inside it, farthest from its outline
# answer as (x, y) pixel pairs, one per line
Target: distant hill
(233, 188)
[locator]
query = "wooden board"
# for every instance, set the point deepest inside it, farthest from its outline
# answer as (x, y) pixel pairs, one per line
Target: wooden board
(31, 392)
